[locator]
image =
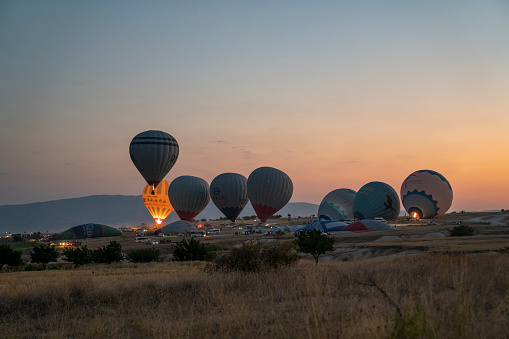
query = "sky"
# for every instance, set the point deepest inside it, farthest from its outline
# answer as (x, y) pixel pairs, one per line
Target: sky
(334, 93)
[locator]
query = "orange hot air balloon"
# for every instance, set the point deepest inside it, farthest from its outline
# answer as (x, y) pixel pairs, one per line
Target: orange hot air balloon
(157, 201)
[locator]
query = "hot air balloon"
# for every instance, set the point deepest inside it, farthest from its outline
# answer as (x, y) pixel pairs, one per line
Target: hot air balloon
(189, 196)
(426, 194)
(269, 190)
(228, 192)
(154, 153)
(337, 205)
(180, 226)
(157, 201)
(376, 199)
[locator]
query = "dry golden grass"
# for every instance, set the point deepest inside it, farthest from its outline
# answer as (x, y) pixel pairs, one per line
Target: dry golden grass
(440, 295)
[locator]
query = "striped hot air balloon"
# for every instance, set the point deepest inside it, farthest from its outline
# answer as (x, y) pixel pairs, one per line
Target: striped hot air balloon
(426, 194)
(269, 190)
(228, 192)
(189, 196)
(376, 199)
(154, 153)
(337, 205)
(157, 201)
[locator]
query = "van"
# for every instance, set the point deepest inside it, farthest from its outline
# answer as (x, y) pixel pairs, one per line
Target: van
(380, 219)
(213, 231)
(142, 239)
(197, 234)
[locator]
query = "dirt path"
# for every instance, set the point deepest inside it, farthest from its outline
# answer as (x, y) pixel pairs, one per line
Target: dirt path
(494, 220)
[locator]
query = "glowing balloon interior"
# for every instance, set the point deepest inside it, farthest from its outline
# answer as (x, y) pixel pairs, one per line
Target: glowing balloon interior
(157, 201)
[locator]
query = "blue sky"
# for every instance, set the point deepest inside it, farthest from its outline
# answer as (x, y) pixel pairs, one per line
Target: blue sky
(336, 94)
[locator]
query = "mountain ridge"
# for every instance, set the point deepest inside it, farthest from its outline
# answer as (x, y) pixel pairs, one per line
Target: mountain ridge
(112, 210)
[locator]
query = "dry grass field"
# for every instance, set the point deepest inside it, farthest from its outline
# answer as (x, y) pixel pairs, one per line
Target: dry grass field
(416, 284)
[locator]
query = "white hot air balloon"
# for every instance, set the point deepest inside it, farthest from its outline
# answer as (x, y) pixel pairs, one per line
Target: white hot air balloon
(189, 196)
(154, 153)
(426, 194)
(269, 190)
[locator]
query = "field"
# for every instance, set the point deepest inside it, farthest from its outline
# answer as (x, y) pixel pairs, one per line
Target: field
(412, 285)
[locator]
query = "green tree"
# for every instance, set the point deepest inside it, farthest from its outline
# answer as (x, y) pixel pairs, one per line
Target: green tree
(314, 243)
(44, 254)
(144, 255)
(78, 256)
(9, 256)
(108, 254)
(462, 231)
(189, 250)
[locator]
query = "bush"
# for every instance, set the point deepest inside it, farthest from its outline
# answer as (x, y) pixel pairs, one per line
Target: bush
(252, 257)
(314, 243)
(9, 256)
(462, 231)
(78, 256)
(144, 255)
(44, 254)
(190, 250)
(108, 254)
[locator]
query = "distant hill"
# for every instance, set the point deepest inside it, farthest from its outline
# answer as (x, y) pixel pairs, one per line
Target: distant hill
(111, 210)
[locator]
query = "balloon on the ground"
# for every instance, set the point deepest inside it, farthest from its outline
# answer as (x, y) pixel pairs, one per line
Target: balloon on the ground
(376, 199)
(154, 153)
(157, 201)
(89, 231)
(269, 190)
(367, 226)
(189, 196)
(228, 192)
(426, 194)
(324, 226)
(180, 226)
(337, 205)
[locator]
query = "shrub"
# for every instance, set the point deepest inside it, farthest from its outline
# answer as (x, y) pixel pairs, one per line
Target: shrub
(252, 257)
(189, 250)
(144, 255)
(78, 256)
(9, 256)
(314, 243)
(462, 231)
(108, 254)
(44, 254)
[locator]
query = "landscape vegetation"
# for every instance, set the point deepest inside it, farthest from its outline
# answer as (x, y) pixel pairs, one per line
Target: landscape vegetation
(417, 286)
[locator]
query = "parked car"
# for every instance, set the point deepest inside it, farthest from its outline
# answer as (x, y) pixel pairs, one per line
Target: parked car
(431, 223)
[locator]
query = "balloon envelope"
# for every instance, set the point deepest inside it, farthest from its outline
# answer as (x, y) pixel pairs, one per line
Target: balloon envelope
(157, 201)
(180, 226)
(189, 196)
(337, 205)
(324, 226)
(367, 226)
(228, 192)
(154, 153)
(269, 190)
(426, 194)
(376, 199)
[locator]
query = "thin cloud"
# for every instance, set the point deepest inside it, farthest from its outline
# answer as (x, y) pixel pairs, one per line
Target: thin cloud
(220, 142)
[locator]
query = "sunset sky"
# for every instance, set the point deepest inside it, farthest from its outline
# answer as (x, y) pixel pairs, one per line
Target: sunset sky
(334, 93)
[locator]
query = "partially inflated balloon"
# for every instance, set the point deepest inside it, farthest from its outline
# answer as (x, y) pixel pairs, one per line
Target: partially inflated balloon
(157, 201)
(337, 205)
(189, 196)
(154, 153)
(228, 192)
(426, 194)
(376, 199)
(269, 190)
